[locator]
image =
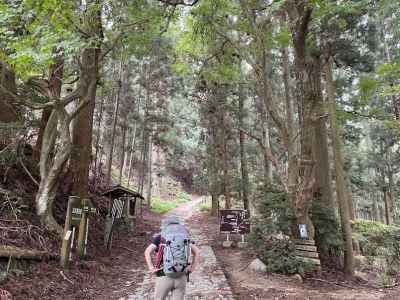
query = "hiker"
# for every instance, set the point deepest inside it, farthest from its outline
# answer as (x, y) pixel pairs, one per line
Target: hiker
(174, 248)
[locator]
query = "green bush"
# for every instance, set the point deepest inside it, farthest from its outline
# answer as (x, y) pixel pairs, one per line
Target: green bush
(162, 207)
(276, 250)
(183, 197)
(205, 207)
(327, 230)
(278, 253)
(377, 239)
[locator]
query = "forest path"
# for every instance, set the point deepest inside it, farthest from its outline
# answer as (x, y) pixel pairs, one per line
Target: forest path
(208, 281)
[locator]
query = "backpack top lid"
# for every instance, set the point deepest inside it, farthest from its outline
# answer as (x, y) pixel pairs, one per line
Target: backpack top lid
(171, 219)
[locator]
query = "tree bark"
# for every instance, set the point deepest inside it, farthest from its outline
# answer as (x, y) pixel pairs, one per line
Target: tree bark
(55, 75)
(150, 173)
(243, 159)
(96, 156)
(124, 129)
(114, 127)
(340, 176)
(7, 80)
(81, 157)
(132, 155)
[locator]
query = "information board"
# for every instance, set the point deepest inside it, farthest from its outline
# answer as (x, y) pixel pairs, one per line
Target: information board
(234, 221)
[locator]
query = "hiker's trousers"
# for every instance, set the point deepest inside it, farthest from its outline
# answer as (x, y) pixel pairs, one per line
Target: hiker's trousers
(165, 284)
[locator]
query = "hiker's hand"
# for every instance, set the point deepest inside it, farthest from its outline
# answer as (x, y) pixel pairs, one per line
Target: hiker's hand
(154, 270)
(191, 269)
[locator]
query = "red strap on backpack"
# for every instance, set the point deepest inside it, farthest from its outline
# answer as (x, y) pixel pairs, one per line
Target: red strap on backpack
(160, 253)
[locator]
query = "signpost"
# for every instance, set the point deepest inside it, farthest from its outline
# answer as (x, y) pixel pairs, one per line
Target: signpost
(77, 216)
(234, 221)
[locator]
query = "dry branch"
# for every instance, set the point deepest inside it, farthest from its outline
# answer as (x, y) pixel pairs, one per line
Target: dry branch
(19, 253)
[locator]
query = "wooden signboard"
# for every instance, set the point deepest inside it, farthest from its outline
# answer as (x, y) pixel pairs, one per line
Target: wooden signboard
(76, 214)
(234, 221)
(307, 251)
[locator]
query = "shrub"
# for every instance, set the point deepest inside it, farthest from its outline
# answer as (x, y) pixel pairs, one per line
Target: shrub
(276, 250)
(278, 253)
(377, 239)
(162, 207)
(205, 207)
(183, 197)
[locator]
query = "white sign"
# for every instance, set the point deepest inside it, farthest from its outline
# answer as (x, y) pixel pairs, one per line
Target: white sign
(303, 231)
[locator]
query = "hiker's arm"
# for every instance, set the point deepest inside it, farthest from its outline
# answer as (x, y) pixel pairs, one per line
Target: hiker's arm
(196, 257)
(147, 256)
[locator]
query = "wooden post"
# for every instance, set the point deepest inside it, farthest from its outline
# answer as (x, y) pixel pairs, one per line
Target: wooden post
(67, 235)
(66, 249)
(83, 228)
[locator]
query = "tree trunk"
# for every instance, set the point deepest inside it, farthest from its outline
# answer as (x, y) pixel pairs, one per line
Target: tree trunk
(292, 149)
(83, 127)
(81, 157)
(114, 127)
(243, 159)
(7, 81)
(51, 167)
(96, 156)
(223, 144)
(132, 155)
(340, 176)
(56, 72)
(149, 169)
(124, 128)
(387, 207)
(143, 159)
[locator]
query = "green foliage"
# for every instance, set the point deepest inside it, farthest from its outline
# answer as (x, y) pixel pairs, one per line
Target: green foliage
(275, 214)
(161, 206)
(368, 87)
(378, 239)
(327, 229)
(183, 197)
(205, 205)
(278, 253)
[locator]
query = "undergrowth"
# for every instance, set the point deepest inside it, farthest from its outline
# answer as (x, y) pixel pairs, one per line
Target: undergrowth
(162, 206)
(381, 244)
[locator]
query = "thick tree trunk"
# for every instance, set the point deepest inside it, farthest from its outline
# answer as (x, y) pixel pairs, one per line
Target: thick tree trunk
(243, 159)
(292, 148)
(83, 127)
(340, 176)
(81, 157)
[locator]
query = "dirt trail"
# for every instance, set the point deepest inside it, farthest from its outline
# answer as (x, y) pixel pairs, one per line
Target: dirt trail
(248, 285)
(208, 281)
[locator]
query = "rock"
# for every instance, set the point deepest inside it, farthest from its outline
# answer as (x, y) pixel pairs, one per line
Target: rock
(297, 278)
(360, 261)
(360, 276)
(227, 244)
(258, 266)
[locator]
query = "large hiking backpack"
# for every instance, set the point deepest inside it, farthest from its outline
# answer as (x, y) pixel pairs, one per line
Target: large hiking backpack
(176, 250)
